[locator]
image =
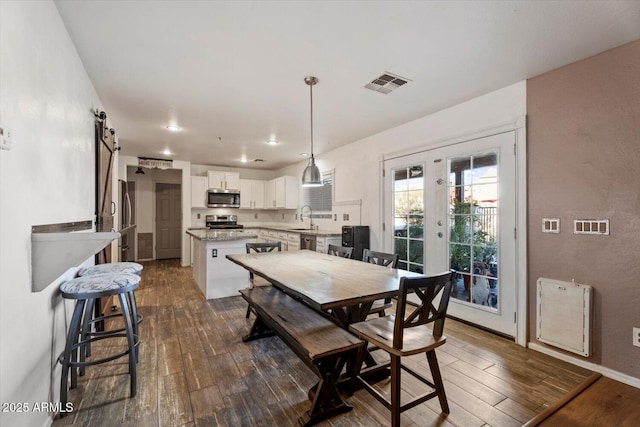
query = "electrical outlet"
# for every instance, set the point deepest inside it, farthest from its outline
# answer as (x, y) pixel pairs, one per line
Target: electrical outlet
(636, 337)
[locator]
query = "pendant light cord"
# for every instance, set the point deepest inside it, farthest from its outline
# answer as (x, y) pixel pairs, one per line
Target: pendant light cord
(311, 98)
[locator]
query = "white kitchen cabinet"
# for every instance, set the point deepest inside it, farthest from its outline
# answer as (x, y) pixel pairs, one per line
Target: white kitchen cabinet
(224, 180)
(282, 193)
(293, 241)
(252, 194)
(199, 186)
(283, 239)
(215, 275)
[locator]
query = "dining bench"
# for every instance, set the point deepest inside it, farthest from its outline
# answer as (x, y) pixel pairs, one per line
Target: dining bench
(325, 347)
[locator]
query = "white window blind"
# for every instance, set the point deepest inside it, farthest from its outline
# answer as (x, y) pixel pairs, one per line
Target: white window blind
(320, 198)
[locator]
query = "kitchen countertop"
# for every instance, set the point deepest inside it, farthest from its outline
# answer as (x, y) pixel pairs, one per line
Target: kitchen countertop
(222, 235)
(294, 229)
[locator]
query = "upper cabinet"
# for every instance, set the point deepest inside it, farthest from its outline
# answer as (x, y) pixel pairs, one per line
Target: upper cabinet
(282, 193)
(199, 186)
(252, 194)
(224, 180)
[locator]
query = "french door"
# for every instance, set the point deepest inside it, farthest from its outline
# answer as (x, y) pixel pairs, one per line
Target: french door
(454, 208)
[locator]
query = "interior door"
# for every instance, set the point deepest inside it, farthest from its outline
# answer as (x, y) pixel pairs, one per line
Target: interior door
(105, 147)
(454, 208)
(168, 221)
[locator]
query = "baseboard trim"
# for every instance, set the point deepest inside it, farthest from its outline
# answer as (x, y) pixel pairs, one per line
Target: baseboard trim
(607, 372)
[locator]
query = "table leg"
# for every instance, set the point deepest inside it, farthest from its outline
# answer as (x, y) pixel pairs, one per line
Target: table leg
(259, 329)
(324, 396)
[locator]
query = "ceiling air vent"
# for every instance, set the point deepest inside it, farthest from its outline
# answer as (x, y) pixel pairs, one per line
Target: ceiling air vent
(386, 83)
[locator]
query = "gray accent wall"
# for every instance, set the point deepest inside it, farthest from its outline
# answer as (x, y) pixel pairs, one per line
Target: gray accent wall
(583, 136)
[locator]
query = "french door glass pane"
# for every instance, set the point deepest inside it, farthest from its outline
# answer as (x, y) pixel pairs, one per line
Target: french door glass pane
(473, 227)
(408, 232)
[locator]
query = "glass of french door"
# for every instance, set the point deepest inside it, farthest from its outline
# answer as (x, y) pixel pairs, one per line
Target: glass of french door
(472, 187)
(408, 217)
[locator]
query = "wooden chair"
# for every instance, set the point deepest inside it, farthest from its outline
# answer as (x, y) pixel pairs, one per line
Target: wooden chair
(400, 336)
(341, 251)
(260, 248)
(386, 260)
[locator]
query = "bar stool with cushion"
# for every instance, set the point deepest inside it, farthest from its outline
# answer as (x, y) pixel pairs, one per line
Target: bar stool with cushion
(341, 251)
(109, 268)
(405, 336)
(85, 290)
(260, 248)
(385, 260)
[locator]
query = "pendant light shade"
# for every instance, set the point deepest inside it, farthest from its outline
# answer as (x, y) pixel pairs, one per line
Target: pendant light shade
(311, 177)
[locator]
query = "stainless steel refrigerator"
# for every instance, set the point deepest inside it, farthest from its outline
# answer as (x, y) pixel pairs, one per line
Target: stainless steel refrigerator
(126, 244)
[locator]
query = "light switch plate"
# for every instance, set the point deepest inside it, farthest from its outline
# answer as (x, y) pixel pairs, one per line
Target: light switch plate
(551, 225)
(5, 138)
(636, 337)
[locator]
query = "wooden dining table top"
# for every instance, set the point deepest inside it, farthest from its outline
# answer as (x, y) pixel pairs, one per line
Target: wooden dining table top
(324, 281)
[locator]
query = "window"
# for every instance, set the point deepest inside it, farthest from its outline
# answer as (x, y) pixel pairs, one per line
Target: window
(320, 198)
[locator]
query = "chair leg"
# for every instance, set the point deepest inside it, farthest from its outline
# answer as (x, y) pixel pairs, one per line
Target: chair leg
(381, 313)
(85, 350)
(248, 312)
(134, 317)
(395, 390)
(437, 380)
(131, 340)
(72, 339)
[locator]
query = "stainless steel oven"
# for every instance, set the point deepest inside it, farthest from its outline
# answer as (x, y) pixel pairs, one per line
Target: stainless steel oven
(217, 198)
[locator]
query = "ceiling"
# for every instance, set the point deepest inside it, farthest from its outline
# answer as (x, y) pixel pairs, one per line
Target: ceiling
(230, 74)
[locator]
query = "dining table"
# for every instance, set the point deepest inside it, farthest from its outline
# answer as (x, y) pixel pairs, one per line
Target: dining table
(341, 287)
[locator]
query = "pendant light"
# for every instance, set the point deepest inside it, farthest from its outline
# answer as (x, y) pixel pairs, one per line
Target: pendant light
(311, 176)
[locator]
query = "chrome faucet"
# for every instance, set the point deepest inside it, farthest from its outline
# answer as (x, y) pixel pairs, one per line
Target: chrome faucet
(310, 216)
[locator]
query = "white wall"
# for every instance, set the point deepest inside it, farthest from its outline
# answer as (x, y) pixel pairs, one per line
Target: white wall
(357, 165)
(46, 100)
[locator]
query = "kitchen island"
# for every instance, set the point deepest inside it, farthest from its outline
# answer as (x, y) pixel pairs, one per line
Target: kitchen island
(216, 276)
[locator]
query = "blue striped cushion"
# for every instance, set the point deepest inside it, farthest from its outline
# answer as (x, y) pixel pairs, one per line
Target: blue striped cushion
(114, 267)
(99, 283)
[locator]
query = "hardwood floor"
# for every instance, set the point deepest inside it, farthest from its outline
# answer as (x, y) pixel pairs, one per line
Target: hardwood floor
(194, 370)
(606, 403)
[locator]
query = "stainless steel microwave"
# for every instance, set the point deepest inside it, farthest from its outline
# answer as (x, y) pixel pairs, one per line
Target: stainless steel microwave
(217, 198)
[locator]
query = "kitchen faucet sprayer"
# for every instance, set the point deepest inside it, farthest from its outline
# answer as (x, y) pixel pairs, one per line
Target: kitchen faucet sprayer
(310, 216)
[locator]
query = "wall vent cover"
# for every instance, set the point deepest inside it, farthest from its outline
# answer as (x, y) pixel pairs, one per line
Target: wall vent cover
(386, 83)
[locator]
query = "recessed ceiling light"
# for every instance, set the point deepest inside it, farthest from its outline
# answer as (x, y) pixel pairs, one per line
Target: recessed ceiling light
(173, 128)
(304, 154)
(167, 152)
(243, 159)
(272, 142)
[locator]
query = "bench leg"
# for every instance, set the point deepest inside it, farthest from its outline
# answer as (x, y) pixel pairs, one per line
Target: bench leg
(325, 397)
(259, 329)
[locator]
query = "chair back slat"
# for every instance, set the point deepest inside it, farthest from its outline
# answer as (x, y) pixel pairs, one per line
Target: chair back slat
(426, 289)
(340, 251)
(264, 247)
(380, 258)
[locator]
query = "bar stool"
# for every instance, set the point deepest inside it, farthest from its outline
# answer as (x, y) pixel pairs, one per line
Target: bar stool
(109, 268)
(85, 290)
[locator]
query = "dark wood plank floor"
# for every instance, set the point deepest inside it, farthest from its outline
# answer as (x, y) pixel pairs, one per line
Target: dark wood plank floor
(194, 370)
(605, 403)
